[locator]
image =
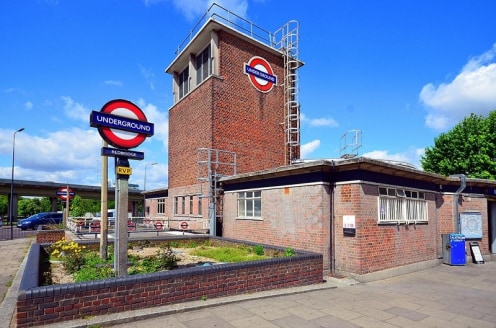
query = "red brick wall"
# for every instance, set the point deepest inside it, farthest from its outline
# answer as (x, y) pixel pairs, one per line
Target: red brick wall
(228, 113)
(247, 121)
(296, 217)
(195, 221)
(190, 128)
(466, 203)
(300, 217)
(49, 236)
(52, 304)
(378, 247)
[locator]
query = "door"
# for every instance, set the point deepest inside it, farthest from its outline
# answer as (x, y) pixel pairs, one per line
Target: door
(492, 226)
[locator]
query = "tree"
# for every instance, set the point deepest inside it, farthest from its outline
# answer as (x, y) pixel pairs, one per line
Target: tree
(80, 206)
(29, 206)
(469, 148)
(4, 206)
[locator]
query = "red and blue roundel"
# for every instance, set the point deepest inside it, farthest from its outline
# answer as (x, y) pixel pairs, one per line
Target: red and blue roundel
(260, 74)
(114, 135)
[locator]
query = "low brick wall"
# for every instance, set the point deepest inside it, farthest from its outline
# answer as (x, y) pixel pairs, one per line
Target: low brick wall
(40, 305)
(49, 236)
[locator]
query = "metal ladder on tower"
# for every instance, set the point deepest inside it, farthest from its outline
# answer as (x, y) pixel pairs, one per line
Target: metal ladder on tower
(288, 44)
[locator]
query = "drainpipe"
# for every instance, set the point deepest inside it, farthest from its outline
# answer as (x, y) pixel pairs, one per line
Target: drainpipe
(463, 181)
(332, 233)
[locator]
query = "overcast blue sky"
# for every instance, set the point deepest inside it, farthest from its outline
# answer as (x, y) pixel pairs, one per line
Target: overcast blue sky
(400, 71)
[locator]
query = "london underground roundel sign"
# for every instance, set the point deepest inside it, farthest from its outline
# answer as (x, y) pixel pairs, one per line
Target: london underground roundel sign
(260, 74)
(122, 124)
(63, 193)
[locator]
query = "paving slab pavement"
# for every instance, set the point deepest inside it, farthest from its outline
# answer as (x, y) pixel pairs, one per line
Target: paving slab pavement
(441, 296)
(12, 256)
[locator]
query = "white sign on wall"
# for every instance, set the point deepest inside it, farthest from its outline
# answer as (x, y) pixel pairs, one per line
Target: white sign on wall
(349, 225)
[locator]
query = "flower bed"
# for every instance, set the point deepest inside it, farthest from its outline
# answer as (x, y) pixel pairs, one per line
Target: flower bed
(42, 305)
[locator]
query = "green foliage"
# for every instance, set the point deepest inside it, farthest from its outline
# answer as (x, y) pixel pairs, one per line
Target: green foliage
(69, 252)
(289, 252)
(80, 206)
(228, 254)
(29, 206)
(469, 148)
(165, 259)
(77, 207)
(87, 265)
(4, 205)
(258, 249)
(93, 268)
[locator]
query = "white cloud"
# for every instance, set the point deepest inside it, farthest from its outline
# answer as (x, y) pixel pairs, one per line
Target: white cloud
(113, 83)
(152, 2)
(62, 156)
(471, 91)
(28, 105)
(319, 122)
(160, 122)
(75, 110)
(194, 9)
(307, 149)
(412, 156)
(191, 9)
(149, 76)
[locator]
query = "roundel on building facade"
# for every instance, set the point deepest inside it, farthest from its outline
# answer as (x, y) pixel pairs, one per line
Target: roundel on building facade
(260, 74)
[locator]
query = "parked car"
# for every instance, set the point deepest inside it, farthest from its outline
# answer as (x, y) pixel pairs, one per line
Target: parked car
(34, 221)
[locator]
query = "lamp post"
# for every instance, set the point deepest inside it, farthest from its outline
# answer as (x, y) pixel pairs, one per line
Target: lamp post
(12, 187)
(144, 188)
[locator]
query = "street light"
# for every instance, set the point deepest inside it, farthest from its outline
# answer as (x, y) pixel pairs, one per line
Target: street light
(144, 188)
(12, 187)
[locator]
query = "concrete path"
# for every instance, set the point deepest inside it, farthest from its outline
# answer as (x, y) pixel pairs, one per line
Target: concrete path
(12, 255)
(442, 296)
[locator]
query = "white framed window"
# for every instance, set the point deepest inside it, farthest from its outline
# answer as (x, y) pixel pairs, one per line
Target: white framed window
(401, 206)
(183, 82)
(203, 65)
(250, 204)
(176, 205)
(161, 206)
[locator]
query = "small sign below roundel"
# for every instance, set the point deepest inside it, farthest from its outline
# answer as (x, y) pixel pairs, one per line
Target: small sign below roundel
(260, 74)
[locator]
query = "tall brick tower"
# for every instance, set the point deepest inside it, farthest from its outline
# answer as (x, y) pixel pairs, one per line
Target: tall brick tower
(235, 110)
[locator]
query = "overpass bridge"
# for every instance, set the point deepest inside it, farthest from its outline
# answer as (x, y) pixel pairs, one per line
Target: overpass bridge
(49, 189)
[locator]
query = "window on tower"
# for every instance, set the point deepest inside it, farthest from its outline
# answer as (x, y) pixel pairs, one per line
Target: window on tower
(203, 65)
(183, 82)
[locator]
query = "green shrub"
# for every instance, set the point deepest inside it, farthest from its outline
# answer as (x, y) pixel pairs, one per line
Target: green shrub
(93, 268)
(289, 252)
(258, 249)
(69, 252)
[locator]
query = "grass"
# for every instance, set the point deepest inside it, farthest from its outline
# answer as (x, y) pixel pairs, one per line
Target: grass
(229, 254)
(86, 265)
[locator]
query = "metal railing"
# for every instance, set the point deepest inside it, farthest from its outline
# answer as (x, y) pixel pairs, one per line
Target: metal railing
(229, 18)
(85, 225)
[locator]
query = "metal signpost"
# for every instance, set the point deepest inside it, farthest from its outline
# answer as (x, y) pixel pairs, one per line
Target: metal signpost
(65, 194)
(123, 125)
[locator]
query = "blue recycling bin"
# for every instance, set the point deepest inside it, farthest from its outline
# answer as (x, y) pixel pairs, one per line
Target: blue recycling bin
(454, 249)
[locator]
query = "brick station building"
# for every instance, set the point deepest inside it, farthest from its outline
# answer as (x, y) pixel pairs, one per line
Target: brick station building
(235, 167)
